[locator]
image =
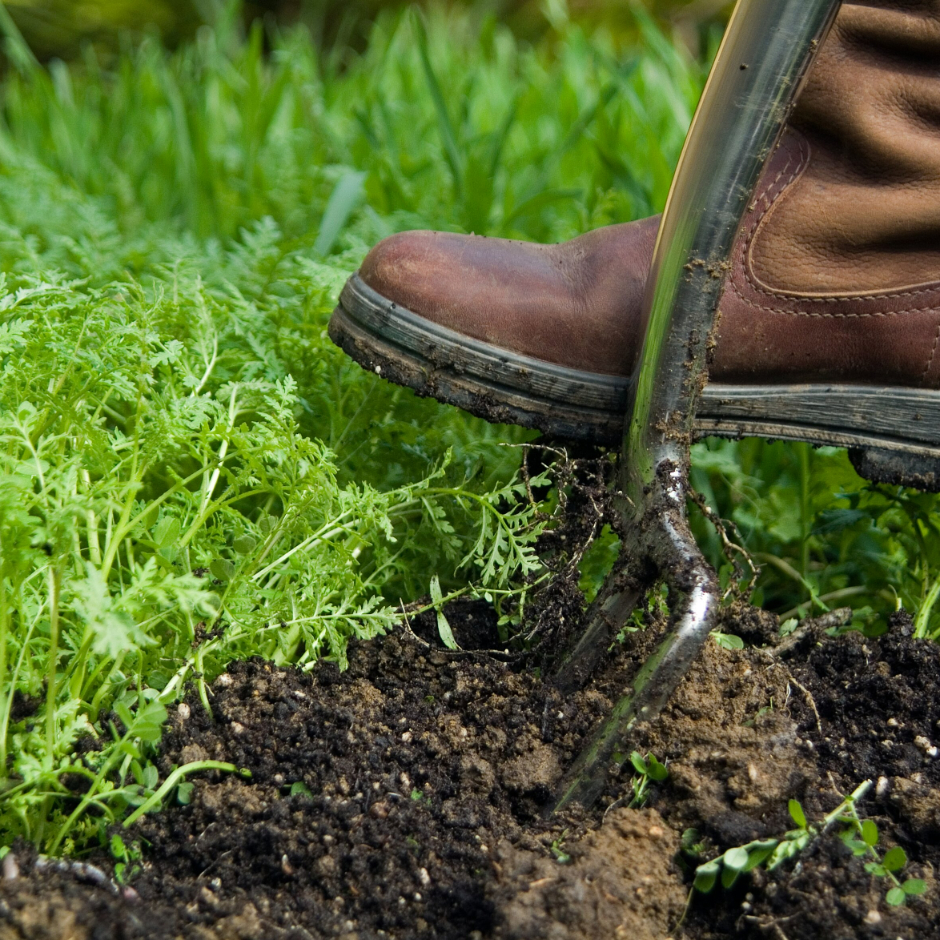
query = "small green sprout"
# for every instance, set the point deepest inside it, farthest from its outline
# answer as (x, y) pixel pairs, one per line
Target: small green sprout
(727, 641)
(861, 836)
(557, 849)
(788, 626)
(128, 859)
(648, 769)
(769, 852)
(443, 626)
(691, 843)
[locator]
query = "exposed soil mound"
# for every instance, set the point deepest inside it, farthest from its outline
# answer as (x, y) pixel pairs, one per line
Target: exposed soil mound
(404, 798)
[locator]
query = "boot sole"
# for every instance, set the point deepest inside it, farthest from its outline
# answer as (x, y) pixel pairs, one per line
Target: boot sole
(893, 433)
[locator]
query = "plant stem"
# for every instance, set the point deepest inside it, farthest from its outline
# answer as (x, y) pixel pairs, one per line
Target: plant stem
(55, 589)
(6, 689)
(926, 608)
(848, 803)
(7, 700)
(805, 518)
(157, 798)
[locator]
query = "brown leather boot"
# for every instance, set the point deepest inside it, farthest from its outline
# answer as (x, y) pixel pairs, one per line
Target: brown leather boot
(830, 320)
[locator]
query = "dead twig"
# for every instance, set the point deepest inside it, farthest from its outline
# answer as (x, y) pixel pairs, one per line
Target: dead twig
(809, 698)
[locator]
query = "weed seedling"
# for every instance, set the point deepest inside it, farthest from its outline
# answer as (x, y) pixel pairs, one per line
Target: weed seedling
(648, 769)
(861, 836)
(127, 858)
(727, 641)
(419, 796)
(557, 849)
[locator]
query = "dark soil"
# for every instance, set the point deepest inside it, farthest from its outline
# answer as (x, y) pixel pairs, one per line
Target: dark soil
(404, 798)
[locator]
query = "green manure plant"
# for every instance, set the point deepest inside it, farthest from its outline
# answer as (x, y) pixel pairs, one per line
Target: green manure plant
(820, 536)
(190, 473)
(859, 835)
(162, 514)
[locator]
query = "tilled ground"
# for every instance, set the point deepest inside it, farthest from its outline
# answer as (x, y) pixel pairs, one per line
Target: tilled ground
(405, 797)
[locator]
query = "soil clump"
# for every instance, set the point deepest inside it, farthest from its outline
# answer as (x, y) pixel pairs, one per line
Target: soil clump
(405, 798)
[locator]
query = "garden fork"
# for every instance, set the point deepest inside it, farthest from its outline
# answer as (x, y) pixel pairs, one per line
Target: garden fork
(764, 57)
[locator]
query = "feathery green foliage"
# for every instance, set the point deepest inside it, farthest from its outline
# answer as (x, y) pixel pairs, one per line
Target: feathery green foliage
(189, 471)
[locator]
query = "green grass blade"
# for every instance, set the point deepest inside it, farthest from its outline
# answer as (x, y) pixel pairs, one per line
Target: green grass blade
(345, 198)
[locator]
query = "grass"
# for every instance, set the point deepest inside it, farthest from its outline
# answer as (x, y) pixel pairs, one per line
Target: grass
(191, 473)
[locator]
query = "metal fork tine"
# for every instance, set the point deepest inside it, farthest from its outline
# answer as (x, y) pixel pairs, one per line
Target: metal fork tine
(766, 53)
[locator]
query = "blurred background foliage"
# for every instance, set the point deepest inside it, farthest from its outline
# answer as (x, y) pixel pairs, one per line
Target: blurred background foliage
(532, 119)
(59, 28)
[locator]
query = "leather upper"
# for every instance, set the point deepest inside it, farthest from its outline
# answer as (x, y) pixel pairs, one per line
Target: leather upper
(573, 304)
(836, 270)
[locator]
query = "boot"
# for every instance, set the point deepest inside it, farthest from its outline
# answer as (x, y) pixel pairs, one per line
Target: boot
(829, 322)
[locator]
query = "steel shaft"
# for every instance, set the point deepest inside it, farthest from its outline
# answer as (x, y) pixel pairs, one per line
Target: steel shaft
(763, 60)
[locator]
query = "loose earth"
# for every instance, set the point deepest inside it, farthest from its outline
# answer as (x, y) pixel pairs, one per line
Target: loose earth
(405, 798)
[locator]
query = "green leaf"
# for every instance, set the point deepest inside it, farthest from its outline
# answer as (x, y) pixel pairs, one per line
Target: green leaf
(657, 771)
(914, 886)
(690, 840)
(895, 859)
(876, 868)
(758, 853)
(896, 897)
(706, 875)
(124, 713)
(452, 152)
(222, 569)
(167, 532)
(117, 848)
(797, 814)
(299, 788)
(728, 641)
(788, 626)
(785, 850)
(150, 777)
(729, 876)
(346, 196)
(869, 833)
(244, 544)
(443, 627)
(639, 764)
(184, 793)
(149, 721)
(736, 859)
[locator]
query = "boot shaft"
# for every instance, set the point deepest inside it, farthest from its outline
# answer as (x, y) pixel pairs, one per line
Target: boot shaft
(864, 214)
(836, 272)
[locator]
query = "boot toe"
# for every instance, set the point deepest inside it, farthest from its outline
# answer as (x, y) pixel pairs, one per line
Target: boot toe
(416, 270)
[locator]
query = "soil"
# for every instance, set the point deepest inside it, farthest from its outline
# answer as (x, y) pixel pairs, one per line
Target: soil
(405, 798)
